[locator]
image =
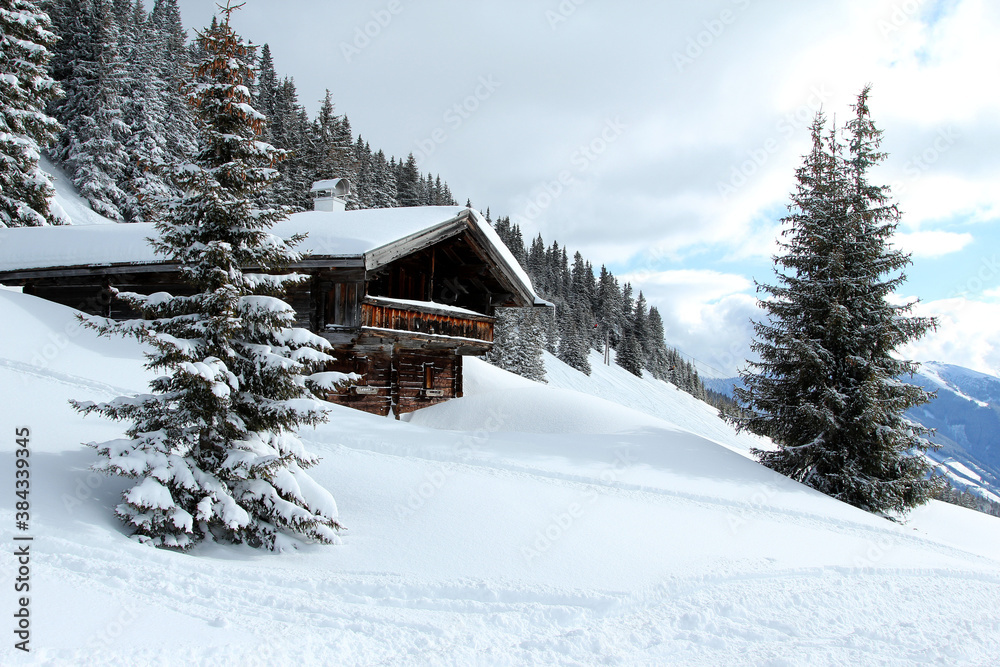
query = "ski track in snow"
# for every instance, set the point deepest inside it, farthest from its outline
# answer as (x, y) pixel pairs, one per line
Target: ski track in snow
(68, 379)
(385, 619)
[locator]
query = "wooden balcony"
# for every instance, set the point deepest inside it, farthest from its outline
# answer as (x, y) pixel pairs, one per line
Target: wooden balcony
(426, 319)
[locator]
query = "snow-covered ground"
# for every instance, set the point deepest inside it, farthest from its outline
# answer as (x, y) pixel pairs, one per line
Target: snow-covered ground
(522, 524)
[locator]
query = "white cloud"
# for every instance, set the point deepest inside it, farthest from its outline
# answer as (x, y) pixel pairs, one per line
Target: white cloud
(686, 291)
(932, 243)
(706, 314)
(967, 334)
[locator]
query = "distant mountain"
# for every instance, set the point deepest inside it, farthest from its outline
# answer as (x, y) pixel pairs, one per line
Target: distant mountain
(965, 415)
(721, 385)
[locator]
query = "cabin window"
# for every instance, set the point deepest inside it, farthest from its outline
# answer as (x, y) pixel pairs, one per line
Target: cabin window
(428, 376)
(342, 307)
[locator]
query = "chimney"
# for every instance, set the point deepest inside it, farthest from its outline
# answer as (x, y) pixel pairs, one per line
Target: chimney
(330, 195)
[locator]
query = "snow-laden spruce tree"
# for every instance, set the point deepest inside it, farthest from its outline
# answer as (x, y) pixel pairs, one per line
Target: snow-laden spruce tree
(518, 343)
(25, 87)
(89, 66)
(213, 446)
(629, 355)
(827, 388)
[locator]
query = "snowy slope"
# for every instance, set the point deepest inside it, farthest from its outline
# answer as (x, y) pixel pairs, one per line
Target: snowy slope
(652, 396)
(68, 204)
(523, 524)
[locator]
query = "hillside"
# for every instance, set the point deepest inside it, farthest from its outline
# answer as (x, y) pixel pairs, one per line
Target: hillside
(524, 523)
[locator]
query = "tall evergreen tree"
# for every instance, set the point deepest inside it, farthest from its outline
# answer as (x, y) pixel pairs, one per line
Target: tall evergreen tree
(607, 309)
(364, 188)
(383, 182)
(343, 163)
(574, 340)
(25, 128)
(640, 325)
(291, 134)
(324, 135)
(656, 359)
(629, 355)
(408, 182)
(173, 64)
(214, 445)
(267, 88)
(518, 343)
(826, 389)
(144, 111)
(530, 363)
(91, 146)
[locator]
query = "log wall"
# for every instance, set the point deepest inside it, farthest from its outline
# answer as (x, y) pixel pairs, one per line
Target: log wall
(401, 378)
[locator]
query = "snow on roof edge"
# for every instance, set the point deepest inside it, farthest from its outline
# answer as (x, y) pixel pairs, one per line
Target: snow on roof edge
(504, 253)
(328, 235)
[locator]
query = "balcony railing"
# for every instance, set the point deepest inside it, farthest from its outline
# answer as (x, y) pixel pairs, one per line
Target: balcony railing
(425, 318)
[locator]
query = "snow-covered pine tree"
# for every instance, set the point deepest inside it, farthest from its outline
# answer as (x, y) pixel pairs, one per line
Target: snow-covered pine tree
(364, 188)
(574, 340)
(551, 324)
(213, 447)
(826, 389)
(292, 133)
(267, 87)
(530, 362)
(383, 182)
(25, 88)
(535, 264)
(446, 197)
(408, 182)
(629, 355)
(91, 144)
(439, 196)
(656, 359)
(518, 343)
(144, 111)
(504, 329)
(640, 325)
(173, 64)
(627, 313)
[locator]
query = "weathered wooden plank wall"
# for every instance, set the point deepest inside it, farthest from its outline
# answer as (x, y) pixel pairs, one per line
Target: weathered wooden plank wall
(401, 379)
(400, 319)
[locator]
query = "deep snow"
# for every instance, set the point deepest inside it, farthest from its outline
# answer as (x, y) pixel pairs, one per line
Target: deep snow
(523, 524)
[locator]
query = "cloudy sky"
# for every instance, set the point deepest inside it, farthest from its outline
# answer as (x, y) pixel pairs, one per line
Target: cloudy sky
(661, 138)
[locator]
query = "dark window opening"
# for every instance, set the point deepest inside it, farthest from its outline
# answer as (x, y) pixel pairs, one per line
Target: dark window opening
(342, 307)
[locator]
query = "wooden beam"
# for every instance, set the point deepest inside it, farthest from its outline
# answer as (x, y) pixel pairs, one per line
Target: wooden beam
(413, 243)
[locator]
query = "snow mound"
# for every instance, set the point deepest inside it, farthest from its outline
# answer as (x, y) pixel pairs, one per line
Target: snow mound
(501, 401)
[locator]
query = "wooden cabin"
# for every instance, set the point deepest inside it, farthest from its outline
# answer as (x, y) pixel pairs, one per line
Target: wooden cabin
(401, 293)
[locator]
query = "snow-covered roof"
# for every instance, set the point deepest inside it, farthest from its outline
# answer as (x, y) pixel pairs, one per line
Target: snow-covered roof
(370, 235)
